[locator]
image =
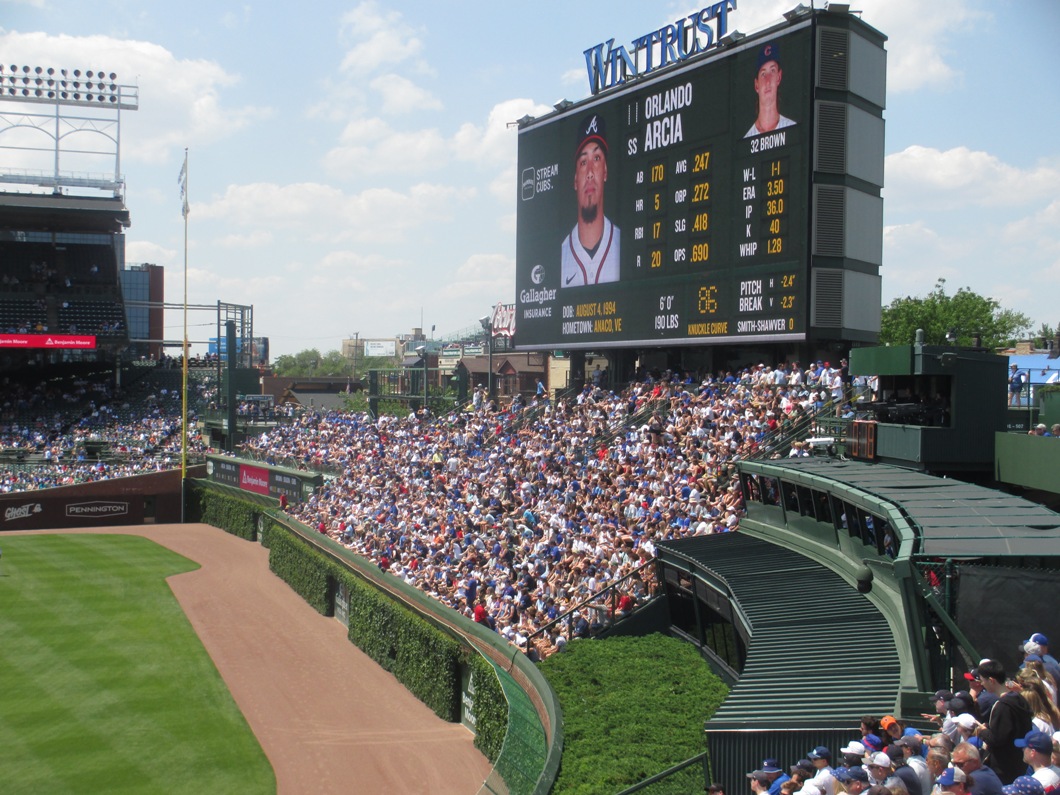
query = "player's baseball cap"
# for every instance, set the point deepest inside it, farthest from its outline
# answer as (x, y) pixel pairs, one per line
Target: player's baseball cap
(770, 52)
(591, 128)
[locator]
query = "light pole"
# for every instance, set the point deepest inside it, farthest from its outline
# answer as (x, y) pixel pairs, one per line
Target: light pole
(487, 325)
(422, 351)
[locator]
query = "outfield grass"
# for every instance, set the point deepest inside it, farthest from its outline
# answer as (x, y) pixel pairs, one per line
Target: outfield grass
(104, 685)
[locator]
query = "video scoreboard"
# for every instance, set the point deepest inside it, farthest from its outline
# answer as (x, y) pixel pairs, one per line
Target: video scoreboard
(703, 217)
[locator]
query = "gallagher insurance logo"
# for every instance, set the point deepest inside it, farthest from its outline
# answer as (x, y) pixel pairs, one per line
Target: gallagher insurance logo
(97, 510)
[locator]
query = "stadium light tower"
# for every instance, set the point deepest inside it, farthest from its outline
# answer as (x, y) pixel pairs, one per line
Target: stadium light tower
(62, 104)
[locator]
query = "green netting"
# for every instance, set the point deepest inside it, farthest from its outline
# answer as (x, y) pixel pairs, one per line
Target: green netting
(522, 756)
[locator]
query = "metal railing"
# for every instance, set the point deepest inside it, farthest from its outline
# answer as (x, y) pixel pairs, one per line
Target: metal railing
(684, 777)
(593, 602)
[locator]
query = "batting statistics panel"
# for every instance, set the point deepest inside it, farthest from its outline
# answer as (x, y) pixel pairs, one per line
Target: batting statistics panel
(675, 211)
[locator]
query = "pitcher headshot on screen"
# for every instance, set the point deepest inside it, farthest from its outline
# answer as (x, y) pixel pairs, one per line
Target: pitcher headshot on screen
(768, 77)
(590, 253)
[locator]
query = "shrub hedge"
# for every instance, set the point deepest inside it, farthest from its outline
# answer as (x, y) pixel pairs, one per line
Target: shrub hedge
(632, 707)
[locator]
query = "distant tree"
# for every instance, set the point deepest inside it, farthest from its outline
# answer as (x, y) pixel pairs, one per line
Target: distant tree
(965, 313)
(366, 363)
(1044, 336)
(310, 363)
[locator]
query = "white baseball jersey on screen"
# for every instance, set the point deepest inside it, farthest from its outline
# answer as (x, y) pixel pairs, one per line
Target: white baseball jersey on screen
(579, 269)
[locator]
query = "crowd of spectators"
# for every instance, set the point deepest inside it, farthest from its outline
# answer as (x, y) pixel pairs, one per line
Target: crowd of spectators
(1000, 736)
(51, 429)
(515, 517)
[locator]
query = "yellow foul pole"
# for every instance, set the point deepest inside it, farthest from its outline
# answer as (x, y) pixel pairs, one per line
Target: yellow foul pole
(184, 388)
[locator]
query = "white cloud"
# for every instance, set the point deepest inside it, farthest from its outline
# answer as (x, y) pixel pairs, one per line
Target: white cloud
(355, 270)
(272, 205)
(1034, 243)
(144, 251)
(322, 213)
(497, 141)
(485, 275)
(578, 77)
(1046, 220)
(255, 239)
(1017, 263)
(373, 146)
(378, 39)
(915, 256)
(233, 20)
(504, 185)
(400, 95)
(923, 176)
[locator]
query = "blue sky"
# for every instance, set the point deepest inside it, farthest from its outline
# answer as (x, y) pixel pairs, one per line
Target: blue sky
(352, 166)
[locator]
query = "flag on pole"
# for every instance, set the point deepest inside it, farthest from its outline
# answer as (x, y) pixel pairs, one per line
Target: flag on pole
(182, 181)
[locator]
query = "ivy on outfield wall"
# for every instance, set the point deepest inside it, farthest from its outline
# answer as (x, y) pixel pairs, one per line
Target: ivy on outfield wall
(232, 515)
(491, 708)
(301, 567)
(423, 658)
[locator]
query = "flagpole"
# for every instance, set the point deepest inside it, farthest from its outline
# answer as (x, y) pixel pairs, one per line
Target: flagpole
(184, 387)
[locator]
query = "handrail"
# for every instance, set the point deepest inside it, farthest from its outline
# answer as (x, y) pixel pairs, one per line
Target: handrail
(594, 597)
(700, 758)
(779, 440)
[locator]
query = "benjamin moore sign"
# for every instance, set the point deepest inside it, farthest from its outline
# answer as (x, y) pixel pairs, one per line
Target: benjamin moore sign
(262, 479)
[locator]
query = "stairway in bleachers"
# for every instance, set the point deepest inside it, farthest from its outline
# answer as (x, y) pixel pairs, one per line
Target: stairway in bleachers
(820, 652)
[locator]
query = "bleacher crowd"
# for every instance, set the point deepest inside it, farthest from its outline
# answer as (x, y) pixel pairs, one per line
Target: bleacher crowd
(515, 517)
(997, 736)
(49, 429)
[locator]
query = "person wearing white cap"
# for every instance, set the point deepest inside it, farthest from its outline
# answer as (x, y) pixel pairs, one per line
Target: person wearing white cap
(879, 767)
(853, 752)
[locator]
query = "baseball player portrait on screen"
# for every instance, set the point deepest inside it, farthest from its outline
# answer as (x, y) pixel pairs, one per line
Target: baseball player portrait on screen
(590, 253)
(768, 77)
